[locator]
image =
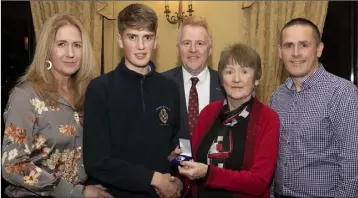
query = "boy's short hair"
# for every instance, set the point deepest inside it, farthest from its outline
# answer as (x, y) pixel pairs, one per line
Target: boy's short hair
(138, 17)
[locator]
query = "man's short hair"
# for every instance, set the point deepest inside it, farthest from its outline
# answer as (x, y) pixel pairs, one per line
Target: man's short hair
(304, 22)
(196, 22)
(138, 17)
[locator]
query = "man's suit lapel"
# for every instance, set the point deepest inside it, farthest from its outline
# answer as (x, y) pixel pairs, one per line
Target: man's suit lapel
(216, 91)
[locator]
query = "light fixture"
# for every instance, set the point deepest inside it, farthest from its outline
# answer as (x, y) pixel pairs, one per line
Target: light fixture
(180, 15)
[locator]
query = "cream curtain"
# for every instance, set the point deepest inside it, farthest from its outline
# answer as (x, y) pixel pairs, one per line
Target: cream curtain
(90, 13)
(263, 21)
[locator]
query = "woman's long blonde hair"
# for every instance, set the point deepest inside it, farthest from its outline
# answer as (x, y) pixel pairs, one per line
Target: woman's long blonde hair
(42, 79)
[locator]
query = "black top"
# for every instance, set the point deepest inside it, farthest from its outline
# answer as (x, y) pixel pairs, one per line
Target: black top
(130, 126)
(224, 145)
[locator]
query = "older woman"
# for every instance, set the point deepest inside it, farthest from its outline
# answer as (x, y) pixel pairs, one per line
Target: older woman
(235, 141)
(42, 145)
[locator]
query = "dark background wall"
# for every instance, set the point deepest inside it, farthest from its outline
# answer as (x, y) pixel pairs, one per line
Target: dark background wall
(340, 38)
(16, 24)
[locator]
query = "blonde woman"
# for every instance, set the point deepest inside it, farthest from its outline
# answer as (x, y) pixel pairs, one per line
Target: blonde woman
(42, 146)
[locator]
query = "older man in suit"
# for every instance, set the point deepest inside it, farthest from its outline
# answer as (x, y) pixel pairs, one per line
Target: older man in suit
(199, 85)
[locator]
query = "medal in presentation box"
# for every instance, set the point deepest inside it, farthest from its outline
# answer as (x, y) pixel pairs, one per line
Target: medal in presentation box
(185, 146)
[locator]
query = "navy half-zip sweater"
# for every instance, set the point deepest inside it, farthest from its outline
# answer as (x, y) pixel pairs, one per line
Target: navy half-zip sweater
(130, 126)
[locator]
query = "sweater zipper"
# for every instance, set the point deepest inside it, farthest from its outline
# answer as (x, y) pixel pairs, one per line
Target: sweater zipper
(142, 91)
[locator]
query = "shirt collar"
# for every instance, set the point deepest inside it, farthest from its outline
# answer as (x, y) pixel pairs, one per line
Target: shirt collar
(309, 82)
(202, 76)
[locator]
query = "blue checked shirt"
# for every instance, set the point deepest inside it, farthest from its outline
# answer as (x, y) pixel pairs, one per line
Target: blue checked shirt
(318, 154)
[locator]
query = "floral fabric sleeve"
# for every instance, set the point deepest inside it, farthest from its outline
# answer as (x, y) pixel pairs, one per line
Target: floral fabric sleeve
(24, 149)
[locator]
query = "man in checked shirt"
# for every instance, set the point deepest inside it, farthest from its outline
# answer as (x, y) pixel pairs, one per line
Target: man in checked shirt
(318, 154)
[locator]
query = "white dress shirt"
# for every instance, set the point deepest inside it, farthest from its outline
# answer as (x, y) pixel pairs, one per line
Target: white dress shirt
(202, 87)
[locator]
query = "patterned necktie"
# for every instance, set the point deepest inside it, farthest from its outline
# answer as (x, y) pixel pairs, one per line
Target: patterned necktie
(193, 108)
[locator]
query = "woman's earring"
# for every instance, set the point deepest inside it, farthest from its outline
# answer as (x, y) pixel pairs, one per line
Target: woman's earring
(49, 65)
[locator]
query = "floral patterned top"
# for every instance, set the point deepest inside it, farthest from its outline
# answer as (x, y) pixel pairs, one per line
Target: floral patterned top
(41, 151)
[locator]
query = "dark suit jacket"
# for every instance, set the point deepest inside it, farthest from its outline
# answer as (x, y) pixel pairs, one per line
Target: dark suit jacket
(216, 93)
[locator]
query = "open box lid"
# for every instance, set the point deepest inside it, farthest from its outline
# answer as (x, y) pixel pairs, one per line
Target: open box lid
(185, 146)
